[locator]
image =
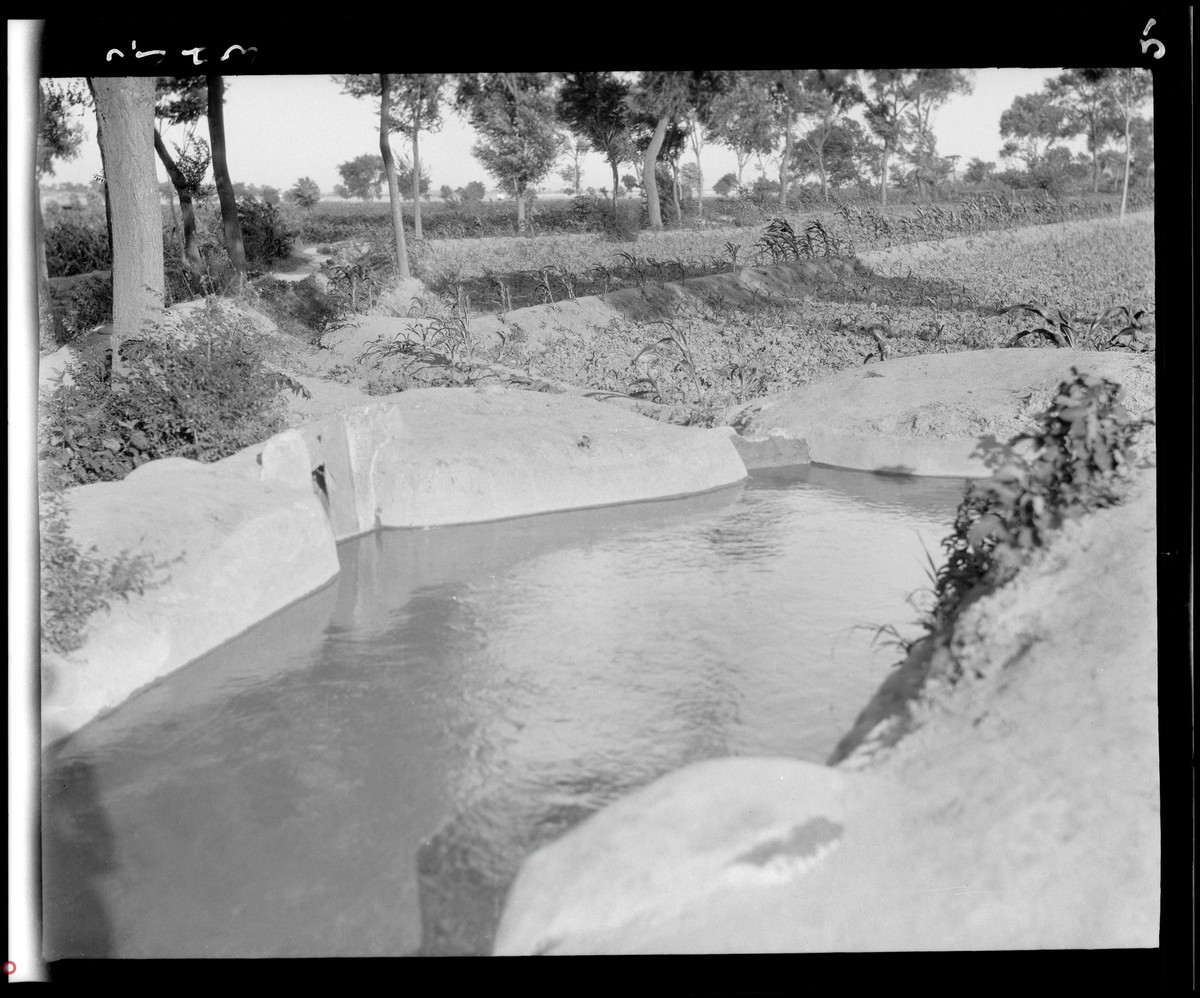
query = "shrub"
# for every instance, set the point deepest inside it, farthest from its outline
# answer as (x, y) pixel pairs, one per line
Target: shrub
(83, 305)
(299, 308)
(203, 397)
(76, 245)
(1081, 455)
(305, 193)
(265, 236)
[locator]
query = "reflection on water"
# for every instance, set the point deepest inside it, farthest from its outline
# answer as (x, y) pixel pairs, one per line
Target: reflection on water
(363, 773)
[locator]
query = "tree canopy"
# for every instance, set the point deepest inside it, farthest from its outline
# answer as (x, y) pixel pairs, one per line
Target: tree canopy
(514, 113)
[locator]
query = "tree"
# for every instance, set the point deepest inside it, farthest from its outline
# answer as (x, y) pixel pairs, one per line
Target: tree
(828, 95)
(726, 185)
(389, 169)
(1032, 124)
(690, 179)
(574, 149)
(475, 191)
(659, 102)
(1128, 89)
(57, 138)
(515, 116)
(415, 106)
(404, 173)
(786, 90)
(705, 88)
(835, 154)
(742, 119)
(901, 106)
(1087, 110)
(305, 193)
(229, 214)
(885, 116)
(125, 116)
(446, 193)
(363, 177)
(978, 171)
(595, 107)
(184, 101)
(270, 195)
(929, 90)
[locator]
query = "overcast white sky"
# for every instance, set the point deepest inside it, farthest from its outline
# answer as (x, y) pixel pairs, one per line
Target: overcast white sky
(281, 128)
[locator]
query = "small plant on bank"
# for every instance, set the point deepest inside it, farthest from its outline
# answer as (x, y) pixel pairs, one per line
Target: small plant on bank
(443, 350)
(75, 583)
(1080, 461)
(204, 396)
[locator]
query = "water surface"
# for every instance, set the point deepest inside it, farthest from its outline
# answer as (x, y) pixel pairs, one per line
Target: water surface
(363, 773)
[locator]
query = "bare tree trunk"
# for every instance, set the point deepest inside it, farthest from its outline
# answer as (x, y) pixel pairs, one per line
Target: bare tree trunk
(697, 145)
(389, 166)
(675, 194)
(104, 171)
(783, 166)
(883, 177)
(648, 181)
(615, 187)
(125, 110)
(220, 168)
(191, 249)
(1128, 159)
(416, 174)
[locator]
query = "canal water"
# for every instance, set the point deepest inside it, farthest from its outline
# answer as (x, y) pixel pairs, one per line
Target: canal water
(362, 774)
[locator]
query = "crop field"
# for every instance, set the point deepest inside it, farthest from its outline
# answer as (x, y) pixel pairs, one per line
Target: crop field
(497, 274)
(1089, 284)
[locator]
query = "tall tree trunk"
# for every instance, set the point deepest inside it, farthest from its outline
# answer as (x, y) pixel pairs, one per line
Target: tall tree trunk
(176, 225)
(697, 145)
(389, 167)
(783, 166)
(616, 183)
(520, 212)
(125, 110)
(883, 176)
(220, 168)
(416, 187)
(104, 171)
(648, 181)
(191, 248)
(675, 187)
(1128, 159)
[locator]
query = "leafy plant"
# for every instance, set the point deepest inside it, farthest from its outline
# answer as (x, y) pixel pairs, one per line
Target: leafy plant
(300, 308)
(1080, 457)
(352, 280)
(204, 396)
(76, 583)
(265, 235)
(444, 345)
(1059, 328)
(76, 245)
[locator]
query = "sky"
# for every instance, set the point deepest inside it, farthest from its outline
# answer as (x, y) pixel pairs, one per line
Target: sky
(281, 128)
